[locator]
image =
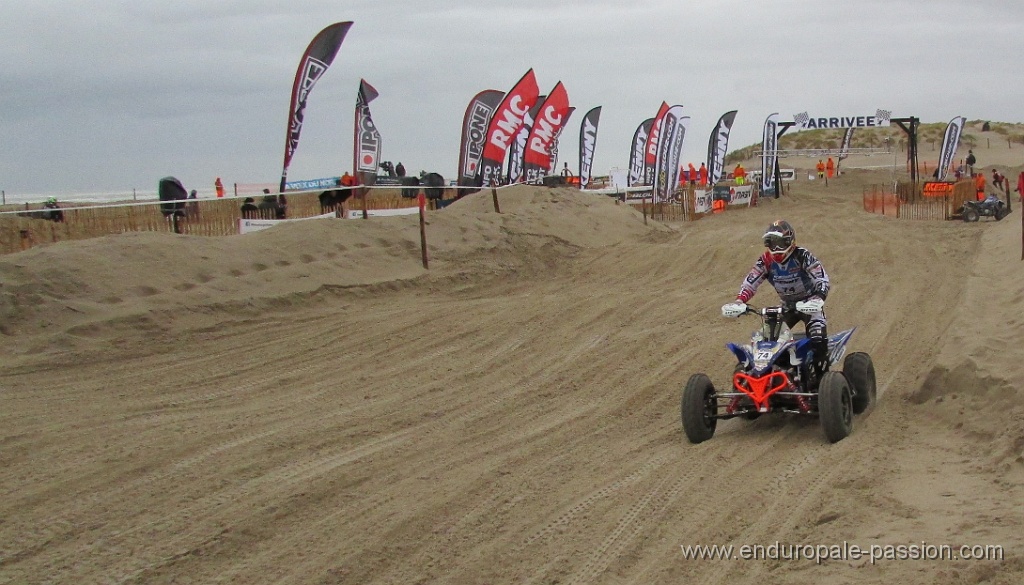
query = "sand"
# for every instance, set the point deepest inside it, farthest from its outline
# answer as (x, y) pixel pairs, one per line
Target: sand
(308, 404)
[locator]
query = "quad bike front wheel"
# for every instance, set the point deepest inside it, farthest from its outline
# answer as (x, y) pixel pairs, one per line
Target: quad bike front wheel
(1001, 213)
(971, 215)
(699, 409)
(860, 373)
(835, 406)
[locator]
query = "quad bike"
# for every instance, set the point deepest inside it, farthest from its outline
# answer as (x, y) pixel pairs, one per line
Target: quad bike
(776, 373)
(991, 206)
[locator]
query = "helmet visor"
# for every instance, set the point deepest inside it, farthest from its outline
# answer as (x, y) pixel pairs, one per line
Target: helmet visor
(777, 242)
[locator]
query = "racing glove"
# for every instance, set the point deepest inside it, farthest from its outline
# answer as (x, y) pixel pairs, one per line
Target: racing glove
(734, 309)
(811, 306)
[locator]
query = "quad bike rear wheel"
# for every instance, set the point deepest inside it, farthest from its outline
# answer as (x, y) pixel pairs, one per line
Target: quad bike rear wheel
(1001, 213)
(860, 373)
(699, 409)
(835, 406)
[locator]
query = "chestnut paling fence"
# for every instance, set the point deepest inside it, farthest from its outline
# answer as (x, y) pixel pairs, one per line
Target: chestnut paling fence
(24, 226)
(908, 201)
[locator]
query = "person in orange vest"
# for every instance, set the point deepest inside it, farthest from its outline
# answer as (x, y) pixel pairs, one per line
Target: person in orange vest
(831, 167)
(979, 185)
(348, 180)
(821, 169)
(219, 187)
(703, 172)
(739, 174)
(693, 173)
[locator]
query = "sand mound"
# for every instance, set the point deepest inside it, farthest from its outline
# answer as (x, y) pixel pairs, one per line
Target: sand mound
(136, 279)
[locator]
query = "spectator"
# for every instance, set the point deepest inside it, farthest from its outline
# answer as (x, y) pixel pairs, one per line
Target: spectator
(830, 166)
(219, 187)
(971, 161)
(739, 174)
(400, 169)
(821, 169)
(268, 205)
(347, 180)
(249, 209)
(192, 208)
(703, 174)
(54, 213)
(979, 186)
(281, 211)
(997, 180)
(693, 173)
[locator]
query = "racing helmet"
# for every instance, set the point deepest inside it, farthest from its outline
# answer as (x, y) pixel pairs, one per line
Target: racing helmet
(51, 201)
(780, 239)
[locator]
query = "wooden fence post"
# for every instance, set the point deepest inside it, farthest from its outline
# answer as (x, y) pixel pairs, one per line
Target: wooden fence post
(421, 199)
(494, 197)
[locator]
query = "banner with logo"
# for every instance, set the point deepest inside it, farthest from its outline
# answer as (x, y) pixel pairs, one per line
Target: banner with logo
(651, 148)
(588, 142)
(844, 148)
(551, 116)
(474, 133)
(670, 149)
(702, 201)
(769, 147)
(805, 121)
(636, 153)
(742, 195)
(718, 145)
(554, 143)
(318, 57)
(950, 142)
(504, 125)
(517, 148)
(367, 143)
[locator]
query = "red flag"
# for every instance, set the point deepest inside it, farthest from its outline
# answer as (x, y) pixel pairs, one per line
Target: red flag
(505, 122)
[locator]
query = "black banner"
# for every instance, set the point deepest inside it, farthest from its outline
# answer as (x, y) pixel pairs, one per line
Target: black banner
(318, 57)
(718, 146)
(769, 147)
(670, 148)
(950, 142)
(588, 142)
(636, 153)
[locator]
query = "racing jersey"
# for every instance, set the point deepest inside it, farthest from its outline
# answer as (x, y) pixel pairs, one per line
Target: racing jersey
(801, 276)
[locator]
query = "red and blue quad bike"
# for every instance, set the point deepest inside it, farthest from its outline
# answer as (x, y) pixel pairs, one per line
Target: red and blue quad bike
(775, 374)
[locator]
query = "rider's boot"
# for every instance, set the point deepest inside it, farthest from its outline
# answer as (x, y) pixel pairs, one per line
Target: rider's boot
(820, 349)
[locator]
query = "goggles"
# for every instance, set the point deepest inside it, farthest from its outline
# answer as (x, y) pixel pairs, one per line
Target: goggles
(777, 242)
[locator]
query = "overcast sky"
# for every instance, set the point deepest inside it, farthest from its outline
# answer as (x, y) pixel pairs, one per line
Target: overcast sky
(114, 94)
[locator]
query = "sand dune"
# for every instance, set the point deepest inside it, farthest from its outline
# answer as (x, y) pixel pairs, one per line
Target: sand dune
(307, 404)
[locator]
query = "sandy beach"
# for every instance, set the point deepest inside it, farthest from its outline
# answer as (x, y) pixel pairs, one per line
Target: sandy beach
(308, 404)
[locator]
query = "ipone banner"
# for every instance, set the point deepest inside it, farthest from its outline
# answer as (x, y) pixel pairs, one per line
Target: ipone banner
(474, 133)
(367, 147)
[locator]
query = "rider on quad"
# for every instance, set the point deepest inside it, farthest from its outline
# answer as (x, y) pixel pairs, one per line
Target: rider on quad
(800, 280)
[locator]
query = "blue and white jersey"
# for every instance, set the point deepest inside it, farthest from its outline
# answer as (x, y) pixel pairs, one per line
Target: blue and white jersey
(801, 276)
